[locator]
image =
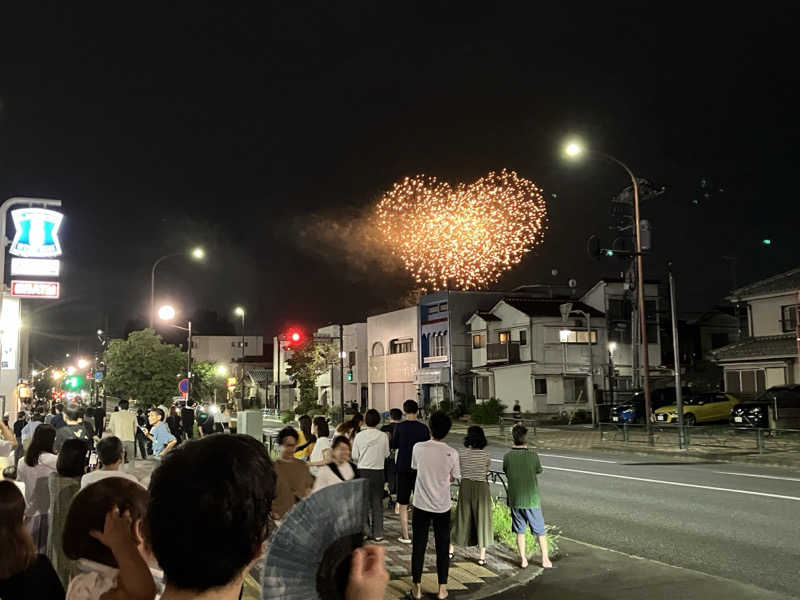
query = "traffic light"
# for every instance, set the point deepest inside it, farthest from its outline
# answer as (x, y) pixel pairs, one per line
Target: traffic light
(350, 375)
(294, 337)
(74, 382)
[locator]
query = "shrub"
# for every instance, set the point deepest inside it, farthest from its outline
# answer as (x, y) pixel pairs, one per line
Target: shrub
(501, 525)
(487, 413)
(287, 416)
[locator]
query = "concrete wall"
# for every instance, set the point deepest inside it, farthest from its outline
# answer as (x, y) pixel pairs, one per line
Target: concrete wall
(397, 370)
(225, 348)
(766, 314)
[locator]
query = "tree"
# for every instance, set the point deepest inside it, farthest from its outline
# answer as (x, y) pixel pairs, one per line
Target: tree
(308, 362)
(144, 367)
(205, 380)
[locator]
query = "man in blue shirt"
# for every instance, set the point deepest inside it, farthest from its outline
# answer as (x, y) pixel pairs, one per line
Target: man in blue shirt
(163, 440)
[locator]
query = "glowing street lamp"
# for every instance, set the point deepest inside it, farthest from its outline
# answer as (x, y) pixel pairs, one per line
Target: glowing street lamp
(70, 370)
(612, 347)
(166, 313)
(240, 312)
(222, 370)
(57, 375)
(83, 363)
(196, 253)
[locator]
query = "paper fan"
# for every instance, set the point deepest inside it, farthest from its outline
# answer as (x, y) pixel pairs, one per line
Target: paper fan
(309, 554)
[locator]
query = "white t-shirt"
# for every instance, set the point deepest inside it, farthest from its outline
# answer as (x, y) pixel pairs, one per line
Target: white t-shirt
(322, 444)
(95, 476)
(436, 463)
(92, 580)
(327, 477)
(370, 449)
(37, 491)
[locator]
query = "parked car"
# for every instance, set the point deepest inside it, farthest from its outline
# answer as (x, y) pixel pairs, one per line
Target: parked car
(633, 410)
(777, 407)
(701, 408)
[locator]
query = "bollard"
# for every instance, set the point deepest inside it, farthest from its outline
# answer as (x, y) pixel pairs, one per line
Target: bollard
(625, 432)
(759, 441)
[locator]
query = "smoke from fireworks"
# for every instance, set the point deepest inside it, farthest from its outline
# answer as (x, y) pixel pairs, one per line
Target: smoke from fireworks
(463, 237)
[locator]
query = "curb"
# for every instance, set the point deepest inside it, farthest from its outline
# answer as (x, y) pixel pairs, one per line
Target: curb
(524, 577)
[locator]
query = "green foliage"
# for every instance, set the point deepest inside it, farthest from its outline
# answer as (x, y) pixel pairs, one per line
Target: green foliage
(287, 416)
(487, 413)
(144, 368)
(308, 362)
(206, 379)
(501, 525)
(455, 410)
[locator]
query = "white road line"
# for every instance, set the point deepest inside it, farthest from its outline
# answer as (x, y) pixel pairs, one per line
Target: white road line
(759, 476)
(610, 462)
(676, 483)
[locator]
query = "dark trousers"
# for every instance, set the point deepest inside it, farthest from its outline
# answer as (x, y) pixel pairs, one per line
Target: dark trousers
(375, 512)
(141, 443)
(188, 429)
(420, 526)
(390, 472)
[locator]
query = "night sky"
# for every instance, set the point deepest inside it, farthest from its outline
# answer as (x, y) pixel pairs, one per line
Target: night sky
(264, 134)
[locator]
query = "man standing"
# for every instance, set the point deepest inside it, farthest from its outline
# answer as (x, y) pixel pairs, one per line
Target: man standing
(109, 451)
(521, 466)
(294, 480)
(76, 427)
(187, 418)
(163, 440)
(58, 419)
(99, 416)
(389, 466)
(437, 466)
(405, 436)
(123, 425)
(370, 450)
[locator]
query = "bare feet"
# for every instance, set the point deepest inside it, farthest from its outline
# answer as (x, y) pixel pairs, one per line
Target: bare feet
(547, 564)
(524, 563)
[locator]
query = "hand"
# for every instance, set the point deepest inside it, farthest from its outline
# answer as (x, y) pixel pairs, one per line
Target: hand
(117, 530)
(368, 574)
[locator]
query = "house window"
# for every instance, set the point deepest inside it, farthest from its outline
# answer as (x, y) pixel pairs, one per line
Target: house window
(401, 346)
(439, 345)
(504, 336)
(788, 318)
(478, 341)
(443, 307)
(745, 381)
(523, 338)
(482, 388)
(540, 386)
(581, 337)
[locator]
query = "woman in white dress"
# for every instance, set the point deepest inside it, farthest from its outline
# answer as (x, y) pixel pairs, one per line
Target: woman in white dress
(33, 470)
(321, 455)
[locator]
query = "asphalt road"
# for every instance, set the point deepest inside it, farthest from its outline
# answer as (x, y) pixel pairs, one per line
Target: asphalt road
(732, 521)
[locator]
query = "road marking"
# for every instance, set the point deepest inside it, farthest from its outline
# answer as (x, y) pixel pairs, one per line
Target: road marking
(759, 476)
(611, 462)
(676, 483)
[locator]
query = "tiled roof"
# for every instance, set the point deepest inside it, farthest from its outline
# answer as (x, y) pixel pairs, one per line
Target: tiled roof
(486, 315)
(543, 307)
(259, 375)
(759, 347)
(783, 282)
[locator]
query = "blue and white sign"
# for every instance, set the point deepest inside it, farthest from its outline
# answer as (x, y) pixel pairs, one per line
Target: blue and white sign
(36, 234)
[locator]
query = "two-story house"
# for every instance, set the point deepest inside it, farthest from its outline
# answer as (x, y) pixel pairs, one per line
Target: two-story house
(523, 350)
(768, 355)
(392, 345)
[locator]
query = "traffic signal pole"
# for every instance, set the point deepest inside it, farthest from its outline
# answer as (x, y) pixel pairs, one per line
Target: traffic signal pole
(341, 369)
(676, 351)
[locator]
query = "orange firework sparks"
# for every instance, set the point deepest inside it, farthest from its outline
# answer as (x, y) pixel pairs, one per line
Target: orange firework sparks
(463, 237)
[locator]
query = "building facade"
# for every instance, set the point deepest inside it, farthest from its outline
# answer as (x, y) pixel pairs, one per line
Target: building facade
(392, 342)
(769, 353)
(226, 349)
(329, 384)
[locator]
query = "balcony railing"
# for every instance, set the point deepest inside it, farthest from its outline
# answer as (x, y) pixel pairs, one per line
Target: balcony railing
(499, 353)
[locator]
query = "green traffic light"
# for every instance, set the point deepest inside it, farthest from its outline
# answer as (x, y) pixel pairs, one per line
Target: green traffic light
(766, 242)
(609, 252)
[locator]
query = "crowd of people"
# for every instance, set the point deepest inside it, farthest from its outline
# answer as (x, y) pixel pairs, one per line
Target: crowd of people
(79, 530)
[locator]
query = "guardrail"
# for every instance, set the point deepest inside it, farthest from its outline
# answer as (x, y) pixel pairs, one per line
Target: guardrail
(711, 436)
(494, 477)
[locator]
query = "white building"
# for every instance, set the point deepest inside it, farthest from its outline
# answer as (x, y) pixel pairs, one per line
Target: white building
(354, 337)
(524, 351)
(226, 349)
(769, 353)
(281, 353)
(393, 345)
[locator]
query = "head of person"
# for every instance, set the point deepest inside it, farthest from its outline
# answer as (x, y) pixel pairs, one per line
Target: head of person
(304, 422)
(410, 407)
(396, 414)
(519, 433)
(10, 472)
(73, 412)
(475, 438)
(59, 408)
(109, 451)
(43, 439)
(72, 458)
(155, 416)
(233, 507)
(440, 425)
(321, 428)
(173, 411)
(123, 404)
(139, 412)
(372, 418)
(18, 551)
(340, 449)
(287, 440)
(88, 513)
(21, 416)
(37, 416)
(516, 406)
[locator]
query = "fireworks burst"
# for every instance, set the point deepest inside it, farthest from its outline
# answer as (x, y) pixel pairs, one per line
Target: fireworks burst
(463, 237)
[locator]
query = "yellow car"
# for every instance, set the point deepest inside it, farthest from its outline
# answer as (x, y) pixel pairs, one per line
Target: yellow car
(700, 408)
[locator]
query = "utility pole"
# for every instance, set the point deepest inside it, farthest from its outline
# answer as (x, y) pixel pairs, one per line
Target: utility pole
(341, 369)
(676, 352)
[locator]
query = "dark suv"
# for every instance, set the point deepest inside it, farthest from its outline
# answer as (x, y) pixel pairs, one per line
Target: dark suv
(633, 410)
(777, 407)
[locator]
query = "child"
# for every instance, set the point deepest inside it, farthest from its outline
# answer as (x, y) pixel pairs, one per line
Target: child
(104, 534)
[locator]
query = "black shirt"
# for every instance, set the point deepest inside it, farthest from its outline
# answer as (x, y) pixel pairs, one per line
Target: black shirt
(406, 435)
(81, 431)
(99, 415)
(38, 582)
(19, 426)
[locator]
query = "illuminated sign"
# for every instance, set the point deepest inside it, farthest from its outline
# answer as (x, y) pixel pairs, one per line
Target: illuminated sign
(35, 289)
(36, 234)
(36, 267)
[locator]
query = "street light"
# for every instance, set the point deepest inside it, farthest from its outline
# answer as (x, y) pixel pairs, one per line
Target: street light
(222, 370)
(83, 363)
(573, 150)
(239, 311)
(197, 254)
(167, 313)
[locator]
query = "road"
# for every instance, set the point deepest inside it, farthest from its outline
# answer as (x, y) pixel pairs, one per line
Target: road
(732, 521)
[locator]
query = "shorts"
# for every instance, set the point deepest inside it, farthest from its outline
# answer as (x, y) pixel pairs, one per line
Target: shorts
(405, 485)
(521, 518)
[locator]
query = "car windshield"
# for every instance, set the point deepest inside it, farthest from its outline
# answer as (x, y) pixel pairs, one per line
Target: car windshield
(704, 399)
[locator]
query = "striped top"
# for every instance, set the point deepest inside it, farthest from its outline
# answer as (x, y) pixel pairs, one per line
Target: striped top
(474, 464)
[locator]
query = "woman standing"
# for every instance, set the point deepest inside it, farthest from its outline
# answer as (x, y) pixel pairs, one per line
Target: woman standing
(340, 469)
(306, 441)
(351, 428)
(33, 470)
(175, 424)
(23, 572)
(321, 454)
(64, 484)
(472, 525)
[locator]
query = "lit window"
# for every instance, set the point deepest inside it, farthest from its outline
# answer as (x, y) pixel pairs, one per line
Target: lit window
(478, 341)
(504, 335)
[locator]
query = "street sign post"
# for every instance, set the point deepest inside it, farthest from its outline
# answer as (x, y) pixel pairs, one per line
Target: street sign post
(183, 386)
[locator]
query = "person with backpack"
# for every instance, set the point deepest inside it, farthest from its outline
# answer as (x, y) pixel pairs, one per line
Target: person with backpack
(341, 469)
(76, 427)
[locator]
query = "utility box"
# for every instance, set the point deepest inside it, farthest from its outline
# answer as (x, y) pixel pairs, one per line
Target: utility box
(250, 422)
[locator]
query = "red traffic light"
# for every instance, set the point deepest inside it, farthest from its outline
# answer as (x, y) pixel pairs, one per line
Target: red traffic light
(295, 337)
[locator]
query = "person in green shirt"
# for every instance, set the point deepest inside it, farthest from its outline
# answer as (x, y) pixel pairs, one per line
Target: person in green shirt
(521, 466)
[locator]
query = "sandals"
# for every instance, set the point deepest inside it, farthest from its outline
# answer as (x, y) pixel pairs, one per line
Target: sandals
(481, 563)
(451, 555)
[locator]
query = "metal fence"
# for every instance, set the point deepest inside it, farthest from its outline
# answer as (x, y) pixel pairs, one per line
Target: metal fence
(725, 437)
(498, 487)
